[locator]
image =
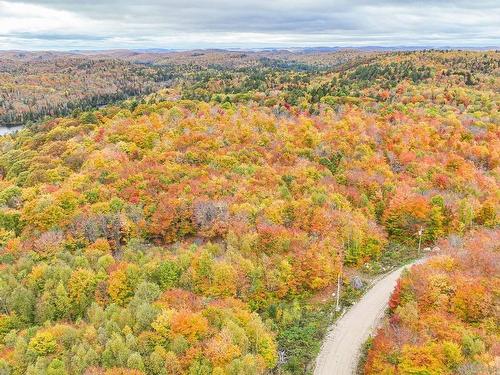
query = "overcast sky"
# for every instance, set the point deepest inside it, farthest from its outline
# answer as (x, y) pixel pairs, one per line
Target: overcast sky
(186, 24)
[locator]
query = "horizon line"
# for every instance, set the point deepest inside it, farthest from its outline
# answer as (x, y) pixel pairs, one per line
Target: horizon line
(253, 49)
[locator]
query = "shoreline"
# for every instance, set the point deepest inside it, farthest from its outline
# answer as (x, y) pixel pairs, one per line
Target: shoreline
(4, 130)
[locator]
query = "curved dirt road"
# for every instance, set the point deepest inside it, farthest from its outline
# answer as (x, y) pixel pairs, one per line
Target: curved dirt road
(340, 351)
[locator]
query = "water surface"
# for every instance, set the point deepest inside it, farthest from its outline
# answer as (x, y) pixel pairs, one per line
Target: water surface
(4, 130)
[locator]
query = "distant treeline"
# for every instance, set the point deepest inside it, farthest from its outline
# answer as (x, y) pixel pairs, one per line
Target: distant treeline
(11, 119)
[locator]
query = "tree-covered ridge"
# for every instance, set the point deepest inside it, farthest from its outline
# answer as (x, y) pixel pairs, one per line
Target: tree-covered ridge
(357, 79)
(34, 88)
(34, 85)
(172, 236)
(444, 317)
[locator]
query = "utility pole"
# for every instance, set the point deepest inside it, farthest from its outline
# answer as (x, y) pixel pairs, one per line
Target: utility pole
(339, 277)
(420, 231)
(337, 307)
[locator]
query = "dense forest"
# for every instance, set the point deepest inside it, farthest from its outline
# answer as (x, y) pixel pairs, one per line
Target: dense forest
(195, 229)
(443, 318)
(35, 85)
(32, 87)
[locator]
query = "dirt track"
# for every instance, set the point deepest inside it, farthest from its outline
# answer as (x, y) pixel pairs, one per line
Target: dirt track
(340, 352)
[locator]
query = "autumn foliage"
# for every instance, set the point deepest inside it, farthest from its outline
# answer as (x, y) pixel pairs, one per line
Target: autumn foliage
(443, 313)
(186, 231)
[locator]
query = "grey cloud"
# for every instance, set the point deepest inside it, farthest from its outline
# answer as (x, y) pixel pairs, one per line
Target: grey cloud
(313, 22)
(51, 37)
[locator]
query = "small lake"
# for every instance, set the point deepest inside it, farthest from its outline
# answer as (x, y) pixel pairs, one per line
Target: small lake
(4, 130)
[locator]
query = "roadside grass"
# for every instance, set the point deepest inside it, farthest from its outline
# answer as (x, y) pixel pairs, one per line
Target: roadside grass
(364, 355)
(301, 341)
(301, 337)
(395, 255)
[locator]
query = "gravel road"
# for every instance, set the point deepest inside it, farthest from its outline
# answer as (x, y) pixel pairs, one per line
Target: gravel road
(340, 352)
